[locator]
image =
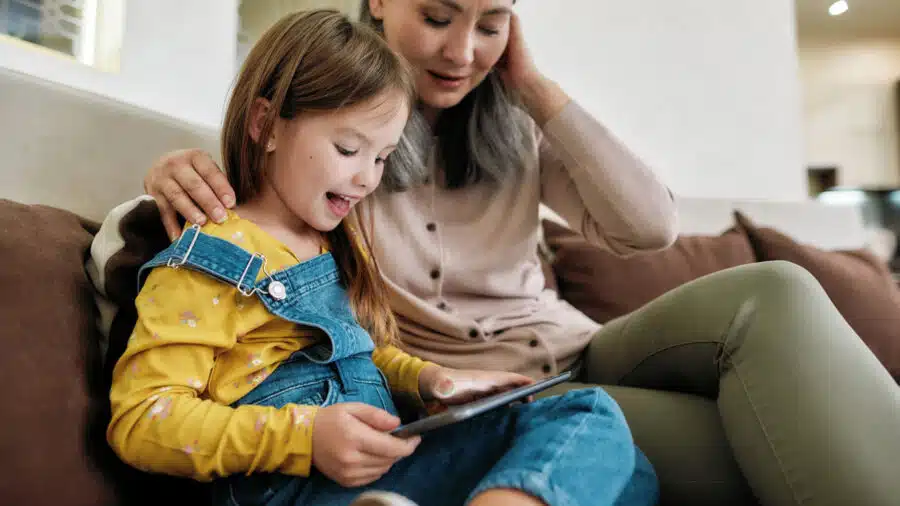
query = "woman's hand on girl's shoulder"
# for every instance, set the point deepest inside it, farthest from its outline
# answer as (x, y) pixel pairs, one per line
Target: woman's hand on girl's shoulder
(351, 444)
(184, 182)
(459, 386)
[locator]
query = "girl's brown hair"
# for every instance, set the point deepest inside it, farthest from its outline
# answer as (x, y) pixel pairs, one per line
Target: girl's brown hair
(316, 61)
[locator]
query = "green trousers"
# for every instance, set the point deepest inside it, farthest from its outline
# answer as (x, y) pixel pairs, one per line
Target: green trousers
(781, 406)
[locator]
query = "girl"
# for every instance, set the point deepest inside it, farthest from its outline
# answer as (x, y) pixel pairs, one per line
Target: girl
(263, 358)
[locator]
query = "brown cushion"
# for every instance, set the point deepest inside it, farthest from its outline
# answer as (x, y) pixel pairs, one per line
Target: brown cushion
(49, 343)
(604, 286)
(859, 285)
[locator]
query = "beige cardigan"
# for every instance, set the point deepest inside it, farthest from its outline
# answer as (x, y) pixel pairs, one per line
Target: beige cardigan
(462, 265)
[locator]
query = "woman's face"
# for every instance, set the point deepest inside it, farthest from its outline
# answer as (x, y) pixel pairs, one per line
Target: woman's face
(451, 44)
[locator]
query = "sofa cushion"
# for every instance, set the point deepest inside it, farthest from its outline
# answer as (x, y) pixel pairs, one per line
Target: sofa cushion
(604, 286)
(49, 449)
(858, 283)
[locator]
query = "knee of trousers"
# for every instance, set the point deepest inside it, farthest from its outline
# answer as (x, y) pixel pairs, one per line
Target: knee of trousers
(776, 277)
(782, 292)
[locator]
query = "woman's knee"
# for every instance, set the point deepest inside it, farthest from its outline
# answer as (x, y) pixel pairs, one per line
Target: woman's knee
(772, 285)
(783, 286)
(781, 274)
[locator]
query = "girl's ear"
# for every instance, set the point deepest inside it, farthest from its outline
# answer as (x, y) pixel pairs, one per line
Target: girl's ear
(376, 7)
(258, 112)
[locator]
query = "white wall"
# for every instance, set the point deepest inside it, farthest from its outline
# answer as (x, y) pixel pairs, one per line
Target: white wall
(850, 108)
(706, 91)
(178, 58)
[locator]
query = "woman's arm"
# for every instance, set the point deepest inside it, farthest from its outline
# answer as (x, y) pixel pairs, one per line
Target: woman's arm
(159, 421)
(587, 176)
(597, 185)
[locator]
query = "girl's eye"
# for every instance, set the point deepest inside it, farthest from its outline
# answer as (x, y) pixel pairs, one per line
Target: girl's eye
(344, 151)
(488, 31)
(436, 22)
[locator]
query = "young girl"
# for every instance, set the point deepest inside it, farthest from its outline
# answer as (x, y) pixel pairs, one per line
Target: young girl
(263, 358)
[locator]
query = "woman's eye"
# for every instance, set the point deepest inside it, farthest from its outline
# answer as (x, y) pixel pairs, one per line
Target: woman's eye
(488, 31)
(436, 22)
(344, 151)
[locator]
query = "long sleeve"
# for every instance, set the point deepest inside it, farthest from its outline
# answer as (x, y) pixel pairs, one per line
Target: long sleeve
(162, 421)
(601, 189)
(400, 368)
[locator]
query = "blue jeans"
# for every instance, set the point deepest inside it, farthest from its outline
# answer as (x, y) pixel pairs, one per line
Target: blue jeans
(573, 449)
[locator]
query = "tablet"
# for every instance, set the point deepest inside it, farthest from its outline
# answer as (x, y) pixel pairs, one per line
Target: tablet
(462, 412)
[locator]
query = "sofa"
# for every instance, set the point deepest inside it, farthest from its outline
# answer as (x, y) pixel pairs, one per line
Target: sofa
(70, 157)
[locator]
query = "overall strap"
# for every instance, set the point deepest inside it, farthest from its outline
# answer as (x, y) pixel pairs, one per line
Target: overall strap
(209, 254)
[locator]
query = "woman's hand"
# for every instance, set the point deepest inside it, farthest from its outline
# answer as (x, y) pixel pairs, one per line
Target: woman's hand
(181, 181)
(351, 444)
(458, 386)
(516, 66)
(542, 97)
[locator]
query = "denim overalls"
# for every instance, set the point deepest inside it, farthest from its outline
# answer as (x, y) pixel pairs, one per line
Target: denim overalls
(573, 449)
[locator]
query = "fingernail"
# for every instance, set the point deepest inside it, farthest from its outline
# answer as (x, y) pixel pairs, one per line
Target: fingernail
(228, 200)
(219, 215)
(199, 219)
(446, 388)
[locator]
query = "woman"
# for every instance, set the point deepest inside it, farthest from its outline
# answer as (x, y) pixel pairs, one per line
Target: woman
(764, 341)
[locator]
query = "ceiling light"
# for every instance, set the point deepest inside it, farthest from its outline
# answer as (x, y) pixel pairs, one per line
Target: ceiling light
(838, 8)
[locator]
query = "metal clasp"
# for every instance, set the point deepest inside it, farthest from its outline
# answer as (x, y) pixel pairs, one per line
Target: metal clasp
(174, 262)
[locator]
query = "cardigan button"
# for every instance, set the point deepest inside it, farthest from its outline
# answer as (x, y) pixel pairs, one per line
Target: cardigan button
(431, 227)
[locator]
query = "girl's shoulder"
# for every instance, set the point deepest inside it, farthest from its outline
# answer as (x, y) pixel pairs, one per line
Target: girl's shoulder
(247, 235)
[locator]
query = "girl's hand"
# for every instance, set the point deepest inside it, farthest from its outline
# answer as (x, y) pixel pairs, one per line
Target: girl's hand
(351, 445)
(181, 181)
(457, 386)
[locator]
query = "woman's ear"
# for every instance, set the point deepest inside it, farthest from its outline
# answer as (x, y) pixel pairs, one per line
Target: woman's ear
(258, 113)
(376, 7)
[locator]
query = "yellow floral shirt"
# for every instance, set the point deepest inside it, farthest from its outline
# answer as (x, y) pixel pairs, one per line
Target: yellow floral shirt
(199, 346)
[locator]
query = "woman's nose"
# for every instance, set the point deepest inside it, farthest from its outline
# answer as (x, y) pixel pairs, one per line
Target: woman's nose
(460, 48)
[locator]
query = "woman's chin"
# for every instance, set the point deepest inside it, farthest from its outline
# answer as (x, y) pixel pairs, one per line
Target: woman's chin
(438, 99)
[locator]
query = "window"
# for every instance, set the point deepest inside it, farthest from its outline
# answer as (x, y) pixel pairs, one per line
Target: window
(255, 16)
(89, 31)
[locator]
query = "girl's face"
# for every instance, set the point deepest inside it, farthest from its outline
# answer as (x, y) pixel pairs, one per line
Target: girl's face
(451, 44)
(323, 163)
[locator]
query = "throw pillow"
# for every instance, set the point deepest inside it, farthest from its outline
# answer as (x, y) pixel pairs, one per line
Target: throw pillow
(604, 285)
(50, 448)
(860, 286)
